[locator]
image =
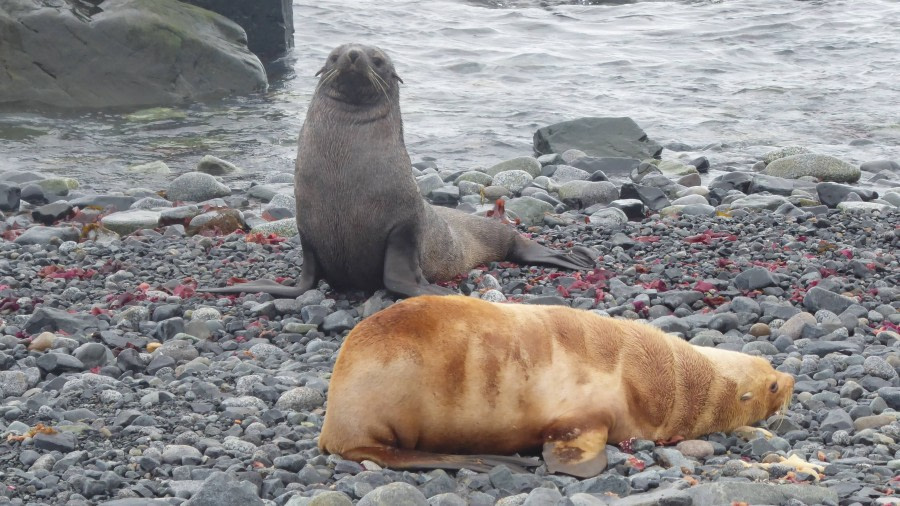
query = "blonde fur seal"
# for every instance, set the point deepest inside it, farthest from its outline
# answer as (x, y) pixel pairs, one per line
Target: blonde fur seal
(430, 381)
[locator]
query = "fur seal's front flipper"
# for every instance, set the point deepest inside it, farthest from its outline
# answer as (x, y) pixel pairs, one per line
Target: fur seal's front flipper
(530, 252)
(576, 452)
(410, 459)
(307, 281)
(402, 271)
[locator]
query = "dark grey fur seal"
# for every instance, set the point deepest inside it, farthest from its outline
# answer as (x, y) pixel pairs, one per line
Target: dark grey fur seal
(362, 222)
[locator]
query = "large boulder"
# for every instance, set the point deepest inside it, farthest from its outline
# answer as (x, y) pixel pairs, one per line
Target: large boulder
(597, 137)
(121, 53)
(269, 23)
(822, 167)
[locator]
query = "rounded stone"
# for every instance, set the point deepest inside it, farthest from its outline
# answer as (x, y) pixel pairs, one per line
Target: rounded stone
(178, 349)
(878, 367)
(330, 498)
(238, 445)
(175, 454)
(196, 187)
(469, 188)
(771, 156)
(513, 180)
(300, 399)
(864, 207)
(205, 314)
(395, 494)
(523, 163)
(609, 217)
(245, 401)
(760, 202)
(474, 176)
(675, 169)
(57, 185)
(494, 192)
(13, 383)
(794, 326)
(265, 351)
(566, 173)
(587, 193)
(698, 210)
(529, 209)
(93, 355)
(282, 228)
(689, 200)
(763, 347)
(822, 167)
(216, 166)
(696, 448)
(760, 330)
(493, 296)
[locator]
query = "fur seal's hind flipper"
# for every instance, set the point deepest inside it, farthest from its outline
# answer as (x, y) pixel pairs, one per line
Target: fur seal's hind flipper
(525, 251)
(579, 453)
(262, 285)
(411, 459)
(309, 276)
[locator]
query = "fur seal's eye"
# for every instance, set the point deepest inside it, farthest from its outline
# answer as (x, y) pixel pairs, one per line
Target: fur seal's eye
(332, 58)
(377, 61)
(774, 387)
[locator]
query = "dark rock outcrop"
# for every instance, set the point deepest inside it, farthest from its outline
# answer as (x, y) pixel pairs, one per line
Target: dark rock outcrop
(269, 23)
(121, 53)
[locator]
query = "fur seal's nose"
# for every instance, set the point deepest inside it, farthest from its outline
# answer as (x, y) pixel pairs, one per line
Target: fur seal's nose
(353, 55)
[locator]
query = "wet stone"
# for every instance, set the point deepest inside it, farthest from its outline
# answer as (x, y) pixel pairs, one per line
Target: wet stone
(338, 321)
(819, 298)
(439, 483)
(50, 213)
(599, 485)
(59, 363)
(754, 279)
(837, 419)
(60, 441)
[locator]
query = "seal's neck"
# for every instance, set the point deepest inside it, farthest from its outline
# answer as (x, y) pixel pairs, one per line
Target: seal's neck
(360, 113)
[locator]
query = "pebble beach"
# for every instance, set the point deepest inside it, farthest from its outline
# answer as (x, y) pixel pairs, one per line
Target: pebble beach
(123, 385)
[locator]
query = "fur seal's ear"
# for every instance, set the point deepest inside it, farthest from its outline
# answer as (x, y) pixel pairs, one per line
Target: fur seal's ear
(397, 77)
(747, 396)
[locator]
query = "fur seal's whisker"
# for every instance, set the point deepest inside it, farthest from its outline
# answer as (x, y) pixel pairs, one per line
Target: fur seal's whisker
(384, 85)
(373, 80)
(381, 84)
(326, 78)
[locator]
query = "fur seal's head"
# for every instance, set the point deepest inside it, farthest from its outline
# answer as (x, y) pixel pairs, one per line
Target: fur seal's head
(761, 390)
(359, 75)
(748, 390)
